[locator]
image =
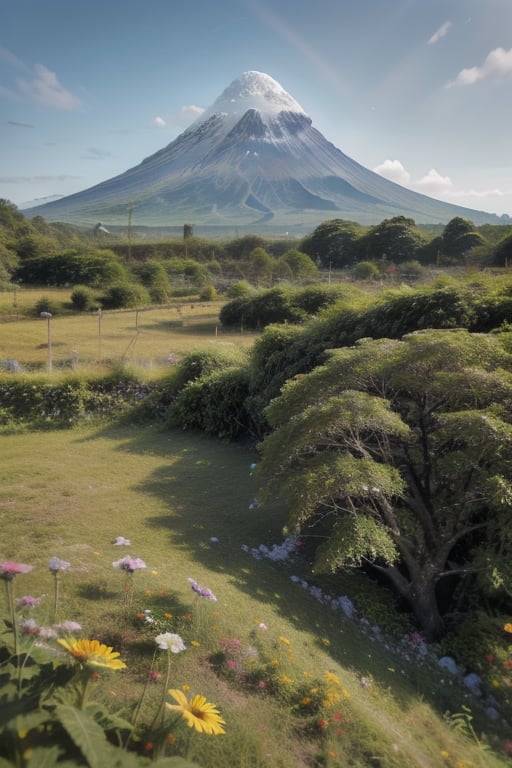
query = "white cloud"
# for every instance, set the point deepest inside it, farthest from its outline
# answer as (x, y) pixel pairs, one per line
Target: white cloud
(498, 63)
(437, 186)
(439, 33)
(191, 110)
(433, 183)
(394, 171)
(158, 122)
(46, 90)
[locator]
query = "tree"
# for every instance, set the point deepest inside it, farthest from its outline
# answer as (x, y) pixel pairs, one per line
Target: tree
(334, 243)
(400, 453)
(395, 239)
(261, 265)
(300, 264)
(459, 237)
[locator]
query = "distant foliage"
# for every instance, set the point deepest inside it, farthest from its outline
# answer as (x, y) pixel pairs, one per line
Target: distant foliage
(72, 267)
(45, 304)
(84, 299)
(334, 243)
(278, 305)
(125, 295)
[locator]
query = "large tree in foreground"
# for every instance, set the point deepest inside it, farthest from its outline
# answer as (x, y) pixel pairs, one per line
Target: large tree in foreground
(401, 452)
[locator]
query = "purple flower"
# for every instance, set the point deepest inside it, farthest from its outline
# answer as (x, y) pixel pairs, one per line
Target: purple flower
(32, 602)
(9, 569)
(202, 591)
(56, 565)
(130, 564)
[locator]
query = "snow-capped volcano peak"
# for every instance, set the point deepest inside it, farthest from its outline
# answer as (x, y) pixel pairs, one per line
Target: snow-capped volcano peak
(253, 90)
(253, 159)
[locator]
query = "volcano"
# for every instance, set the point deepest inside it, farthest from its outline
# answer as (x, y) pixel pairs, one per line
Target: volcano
(252, 161)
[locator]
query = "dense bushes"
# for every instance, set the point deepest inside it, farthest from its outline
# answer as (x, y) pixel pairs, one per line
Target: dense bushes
(279, 305)
(215, 403)
(35, 402)
(124, 295)
(72, 267)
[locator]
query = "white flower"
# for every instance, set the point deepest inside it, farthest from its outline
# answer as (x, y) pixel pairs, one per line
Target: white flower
(120, 541)
(56, 565)
(170, 642)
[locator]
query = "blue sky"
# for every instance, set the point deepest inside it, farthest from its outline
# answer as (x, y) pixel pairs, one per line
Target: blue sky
(419, 90)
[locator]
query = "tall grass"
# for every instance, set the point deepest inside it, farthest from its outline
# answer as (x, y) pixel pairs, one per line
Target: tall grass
(185, 503)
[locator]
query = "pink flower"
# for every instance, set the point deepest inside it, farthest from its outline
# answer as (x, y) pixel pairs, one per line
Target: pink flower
(32, 602)
(231, 664)
(9, 569)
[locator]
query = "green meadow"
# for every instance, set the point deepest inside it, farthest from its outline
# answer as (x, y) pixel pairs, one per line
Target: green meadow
(298, 684)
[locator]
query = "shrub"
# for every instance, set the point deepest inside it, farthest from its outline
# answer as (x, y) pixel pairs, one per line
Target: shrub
(84, 299)
(240, 289)
(214, 403)
(274, 305)
(365, 270)
(46, 304)
(124, 295)
(208, 293)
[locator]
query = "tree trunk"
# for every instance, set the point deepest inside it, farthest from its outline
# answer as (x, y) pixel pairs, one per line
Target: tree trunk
(423, 601)
(419, 591)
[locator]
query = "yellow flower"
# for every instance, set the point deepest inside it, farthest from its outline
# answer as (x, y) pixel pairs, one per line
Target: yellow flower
(332, 678)
(325, 641)
(286, 680)
(508, 627)
(284, 640)
(195, 643)
(198, 713)
(92, 653)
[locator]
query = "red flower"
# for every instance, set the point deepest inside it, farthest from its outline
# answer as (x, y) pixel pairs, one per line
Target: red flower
(322, 723)
(490, 657)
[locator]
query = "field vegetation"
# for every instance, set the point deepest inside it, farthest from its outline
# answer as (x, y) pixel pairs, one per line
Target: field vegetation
(273, 474)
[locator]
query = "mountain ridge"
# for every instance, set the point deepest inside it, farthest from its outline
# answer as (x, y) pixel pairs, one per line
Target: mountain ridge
(252, 160)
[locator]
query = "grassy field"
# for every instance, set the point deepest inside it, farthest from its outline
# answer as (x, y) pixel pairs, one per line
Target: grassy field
(139, 337)
(184, 501)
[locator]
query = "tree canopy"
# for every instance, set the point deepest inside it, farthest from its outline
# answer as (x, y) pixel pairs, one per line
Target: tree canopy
(399, 452)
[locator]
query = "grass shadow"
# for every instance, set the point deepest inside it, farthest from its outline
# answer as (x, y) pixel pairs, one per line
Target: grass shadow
(206, 491)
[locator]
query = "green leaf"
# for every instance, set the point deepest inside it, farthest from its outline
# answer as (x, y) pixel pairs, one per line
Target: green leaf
(107, 720)
(43, 757)
(86, 734)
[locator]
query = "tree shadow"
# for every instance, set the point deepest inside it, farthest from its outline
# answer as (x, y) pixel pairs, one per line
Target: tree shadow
(208, 491)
